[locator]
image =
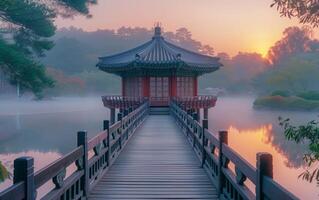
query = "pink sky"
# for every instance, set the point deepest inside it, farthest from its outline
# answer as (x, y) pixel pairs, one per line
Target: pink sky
(227, 25)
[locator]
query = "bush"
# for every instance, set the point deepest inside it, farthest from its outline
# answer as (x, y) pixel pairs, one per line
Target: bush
(310, 95)
(4, 174)
(283, 93)
(286, 103)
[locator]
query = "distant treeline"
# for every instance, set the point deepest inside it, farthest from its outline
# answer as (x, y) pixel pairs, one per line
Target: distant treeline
(292, 63)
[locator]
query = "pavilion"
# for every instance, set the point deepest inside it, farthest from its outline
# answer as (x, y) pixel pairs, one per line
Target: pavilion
(159, 71)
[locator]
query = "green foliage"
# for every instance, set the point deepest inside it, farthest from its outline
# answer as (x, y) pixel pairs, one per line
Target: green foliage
(308, 134)
(23, 70)
(237, 73)
(80, 6)
(282, 93)
(310, 95)
(99, 82)
(286, 103)
(25, 28)
(294, 75)
(305, 10)
(4, 174)
(84, 83)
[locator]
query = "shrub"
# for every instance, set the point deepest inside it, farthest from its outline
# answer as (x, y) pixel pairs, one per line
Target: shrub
(4, 174)
(310, 95)
(283, 93)
(286, 103)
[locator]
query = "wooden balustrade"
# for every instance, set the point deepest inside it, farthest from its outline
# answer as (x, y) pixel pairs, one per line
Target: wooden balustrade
(106, 147)
(196, 102)
(123, 102)
(215, 155)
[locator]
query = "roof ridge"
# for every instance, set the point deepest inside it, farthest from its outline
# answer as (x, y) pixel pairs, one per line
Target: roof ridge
(158, 51)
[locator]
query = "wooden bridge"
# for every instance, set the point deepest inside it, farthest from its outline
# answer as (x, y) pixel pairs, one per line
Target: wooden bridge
(144, 156)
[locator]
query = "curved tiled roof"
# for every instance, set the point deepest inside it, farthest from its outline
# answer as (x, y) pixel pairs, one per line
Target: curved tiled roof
(159, 54)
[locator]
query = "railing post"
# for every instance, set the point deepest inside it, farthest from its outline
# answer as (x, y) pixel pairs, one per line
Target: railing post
(223, 139)
(112, 116)
(24, 171)
(205, 113)
(195, 116)
(205, 126)
(125, 112)
(106, 127)
(83, 141)
(264, 168)
(198, 114)
(119, 116)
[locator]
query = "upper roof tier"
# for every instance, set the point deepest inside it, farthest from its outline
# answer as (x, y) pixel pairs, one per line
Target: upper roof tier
(158, 54)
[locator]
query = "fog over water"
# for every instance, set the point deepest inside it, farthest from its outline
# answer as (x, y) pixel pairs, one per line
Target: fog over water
(47, 129)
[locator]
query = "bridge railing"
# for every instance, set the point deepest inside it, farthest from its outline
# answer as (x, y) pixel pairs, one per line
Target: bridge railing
(92, 159)
(216, 156)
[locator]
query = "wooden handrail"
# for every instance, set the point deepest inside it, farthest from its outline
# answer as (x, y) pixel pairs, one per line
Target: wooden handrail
(106, 147)
(230, 184)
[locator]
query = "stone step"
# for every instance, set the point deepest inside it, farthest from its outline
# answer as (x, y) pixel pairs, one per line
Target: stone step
(159, 111)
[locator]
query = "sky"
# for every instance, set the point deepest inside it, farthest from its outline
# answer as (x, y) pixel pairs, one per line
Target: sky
(229, 26)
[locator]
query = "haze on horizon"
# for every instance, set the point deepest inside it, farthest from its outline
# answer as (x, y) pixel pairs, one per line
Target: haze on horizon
(228, 26)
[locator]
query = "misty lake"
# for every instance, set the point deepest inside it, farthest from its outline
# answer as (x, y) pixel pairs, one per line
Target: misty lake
(46, 130)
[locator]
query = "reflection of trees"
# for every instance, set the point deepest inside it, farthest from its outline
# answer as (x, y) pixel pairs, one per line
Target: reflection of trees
(293, 152)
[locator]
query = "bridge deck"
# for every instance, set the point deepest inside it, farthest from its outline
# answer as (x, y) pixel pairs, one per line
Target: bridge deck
(158, 163)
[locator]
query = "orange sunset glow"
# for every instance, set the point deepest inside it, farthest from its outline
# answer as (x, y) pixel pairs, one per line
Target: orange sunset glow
(159, 99)
(249, 141)
(228, 26)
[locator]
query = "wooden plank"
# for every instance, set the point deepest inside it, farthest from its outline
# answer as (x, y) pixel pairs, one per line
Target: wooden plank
(15, 192)
(157, 163)
(273, 190)
(47, 173)
(244, 166)
(97, 139)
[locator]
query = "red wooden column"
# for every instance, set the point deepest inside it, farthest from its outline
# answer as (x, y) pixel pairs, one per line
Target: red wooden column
(195, 86)
(146, 86)
(173, 86)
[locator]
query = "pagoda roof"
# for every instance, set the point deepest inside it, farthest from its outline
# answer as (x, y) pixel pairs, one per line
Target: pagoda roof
(158, 54)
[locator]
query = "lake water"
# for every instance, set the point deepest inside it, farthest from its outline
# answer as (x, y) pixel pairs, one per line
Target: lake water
(46, 130)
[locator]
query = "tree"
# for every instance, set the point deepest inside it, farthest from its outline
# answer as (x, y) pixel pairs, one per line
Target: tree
(308, 134)
(25, 28)
(307, 11)
(294, 41)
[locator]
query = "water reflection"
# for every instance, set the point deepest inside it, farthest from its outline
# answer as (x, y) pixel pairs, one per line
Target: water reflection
(49, 128)
(252, 131)
(286, 167)
(41, 159)
(292, 152)
(46, 130)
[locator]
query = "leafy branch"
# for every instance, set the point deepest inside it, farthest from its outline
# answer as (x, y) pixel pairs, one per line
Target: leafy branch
(307, 11)
(309, 134)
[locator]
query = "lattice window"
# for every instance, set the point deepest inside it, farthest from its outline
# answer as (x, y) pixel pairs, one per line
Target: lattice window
(133, 86)
(185, 86)
(159, 87)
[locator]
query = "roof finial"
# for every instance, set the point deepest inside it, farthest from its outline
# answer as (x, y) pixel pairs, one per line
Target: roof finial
(158, 29)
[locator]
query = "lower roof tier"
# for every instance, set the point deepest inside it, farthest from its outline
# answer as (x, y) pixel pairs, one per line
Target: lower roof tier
(145, 72)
